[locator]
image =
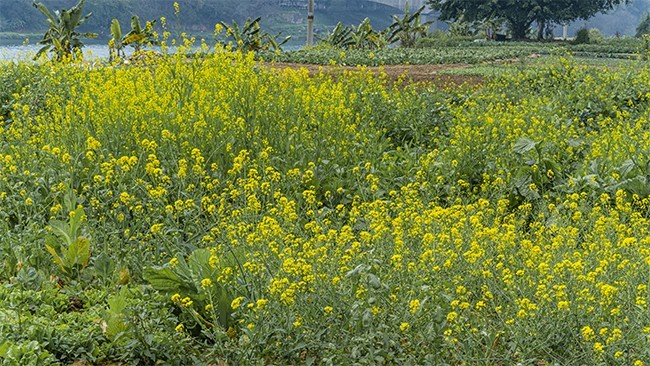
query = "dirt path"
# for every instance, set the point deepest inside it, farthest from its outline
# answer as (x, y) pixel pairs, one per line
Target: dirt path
(414, 73)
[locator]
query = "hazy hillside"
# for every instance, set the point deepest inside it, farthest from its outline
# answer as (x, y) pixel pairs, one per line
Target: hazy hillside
(624, 19)
(199, 16)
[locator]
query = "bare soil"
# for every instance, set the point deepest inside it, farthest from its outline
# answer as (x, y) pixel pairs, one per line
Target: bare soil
(429, 74)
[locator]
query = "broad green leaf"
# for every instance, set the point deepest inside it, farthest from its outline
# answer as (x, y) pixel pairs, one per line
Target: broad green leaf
(116, 31)
(76, 218)
(524, 145)
(576, 142)
(70, 200)
(4, 348)
(41, 52)
(28, 278)
(44, 10)
(374, 281)
(133, 38)
(223, 307)
(199, 265)
(163, 279)
(83, 250)
(135, 25)
(637, 185)
(62, 230)
(57, 43)
(552, 165)
(115, 319)
(103, 265)
(626, 167)
(56, 258)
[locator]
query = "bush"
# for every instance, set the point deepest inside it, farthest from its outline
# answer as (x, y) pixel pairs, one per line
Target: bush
(582, 37)
(589, 36)
(595, 36)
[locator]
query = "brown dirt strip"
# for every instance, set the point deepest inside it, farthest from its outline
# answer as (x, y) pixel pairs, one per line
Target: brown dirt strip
(428, 74)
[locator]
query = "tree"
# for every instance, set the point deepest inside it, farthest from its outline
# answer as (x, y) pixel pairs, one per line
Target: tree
(521, 14)
(644, 26)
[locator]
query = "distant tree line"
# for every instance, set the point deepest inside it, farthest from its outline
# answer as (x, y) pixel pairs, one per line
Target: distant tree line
(520, 15)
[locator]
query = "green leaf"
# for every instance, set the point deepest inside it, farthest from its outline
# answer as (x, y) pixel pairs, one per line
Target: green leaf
(199, 263)
(41, 51)
(82, 245)
(524, 145)
(76, 219)
(135, 25)
(62, 230)
(576, 142)
(553, 165)
(115, 320)
(57, 44)
(163, 279)
(374, 281)
(223, 307)
(104, 265)
(70, 200)
(133, 38)
(75, 15)
(4, 348)
(57, 259)
(627, 167)
(116, 31)
(29, 279)
(46, 11)
(637, 185)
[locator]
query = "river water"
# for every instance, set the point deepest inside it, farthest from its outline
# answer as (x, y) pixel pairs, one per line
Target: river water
(21, 52)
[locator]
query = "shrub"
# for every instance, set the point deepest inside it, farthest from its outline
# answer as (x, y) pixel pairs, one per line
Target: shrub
(582, 37)
(595, 36)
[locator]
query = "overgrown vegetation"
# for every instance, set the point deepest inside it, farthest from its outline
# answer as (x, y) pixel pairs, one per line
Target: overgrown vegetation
(232, 213)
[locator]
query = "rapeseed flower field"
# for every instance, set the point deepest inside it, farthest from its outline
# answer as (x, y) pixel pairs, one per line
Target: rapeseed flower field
(206, 210)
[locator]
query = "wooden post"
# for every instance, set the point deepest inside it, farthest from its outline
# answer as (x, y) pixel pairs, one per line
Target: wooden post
(310, 23)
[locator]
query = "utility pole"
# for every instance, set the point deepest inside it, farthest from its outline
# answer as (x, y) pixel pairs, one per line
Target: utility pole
(310, 23)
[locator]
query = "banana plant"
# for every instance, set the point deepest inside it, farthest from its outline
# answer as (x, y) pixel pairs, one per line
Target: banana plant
(115, 45)
(138, 37)
(365, 37)
(360, 37)
(339, 37)
(408, 29)
(62, 38)
(251, 38)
